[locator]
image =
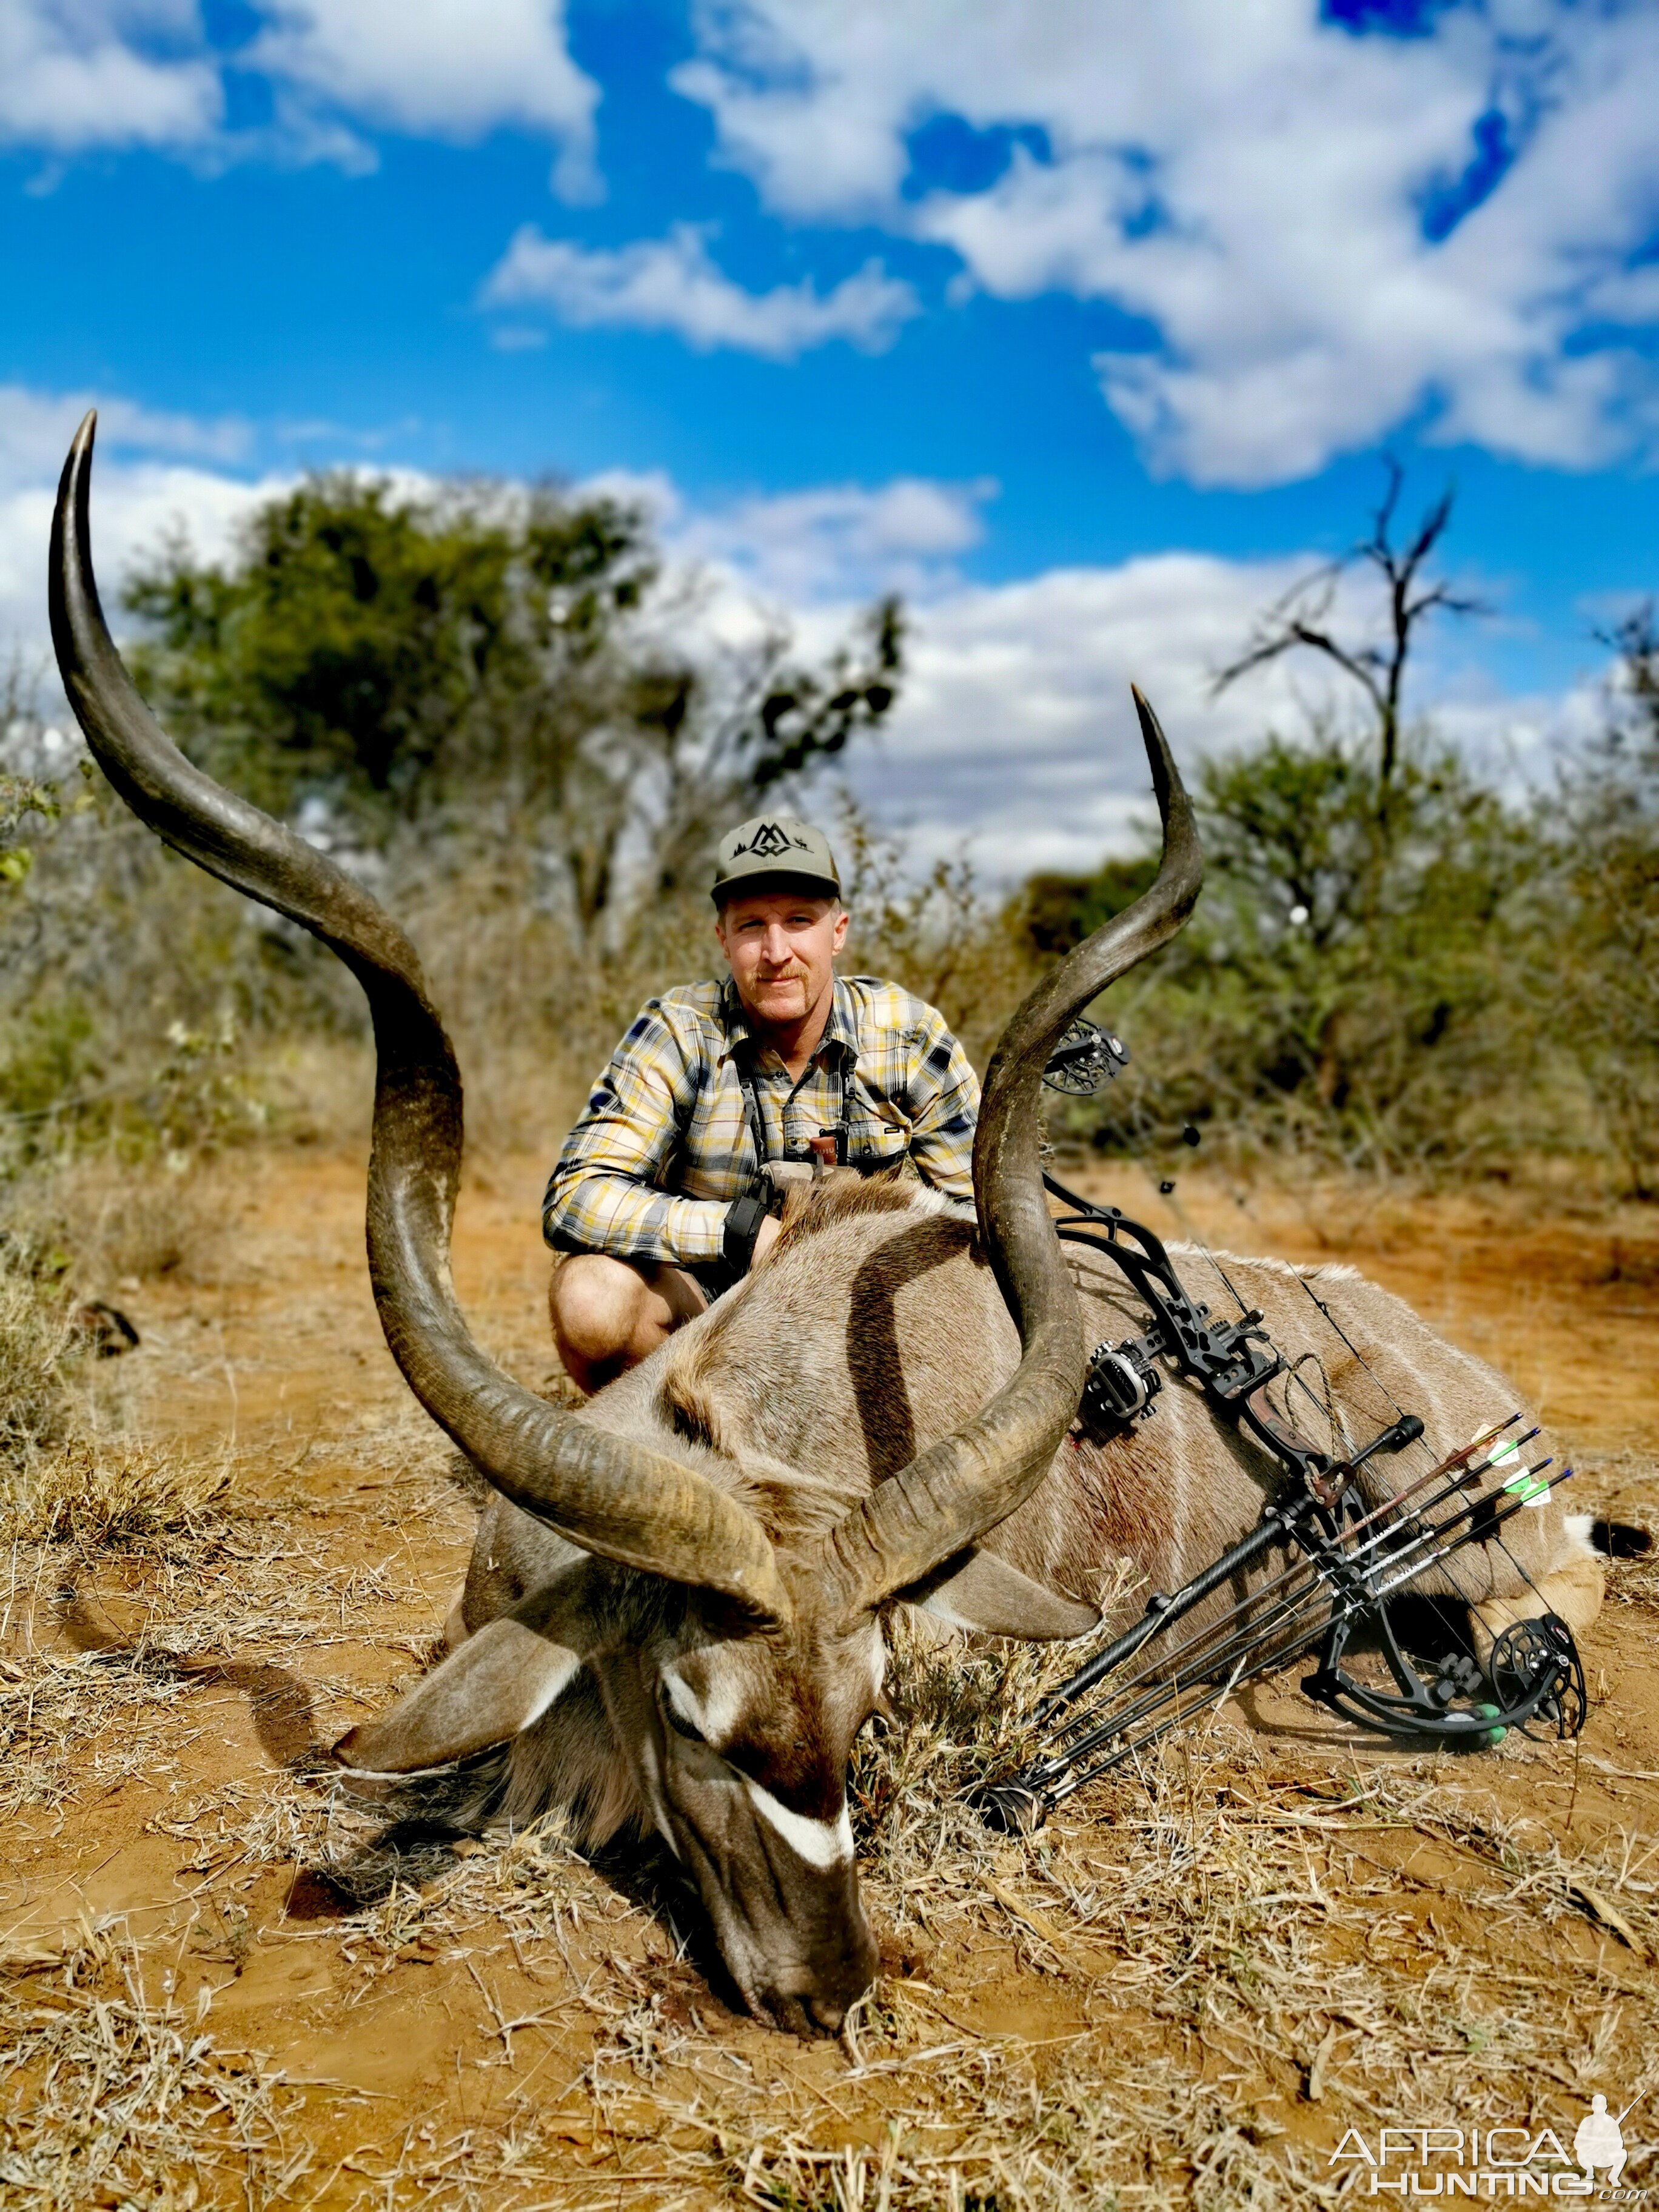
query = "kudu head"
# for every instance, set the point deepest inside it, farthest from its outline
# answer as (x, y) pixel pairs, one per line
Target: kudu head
(737, 1664)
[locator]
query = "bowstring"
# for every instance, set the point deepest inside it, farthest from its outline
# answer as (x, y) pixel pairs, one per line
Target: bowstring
(1496, 1536)
(1462, 1633)
(1189, 1232)
(1444, 1563)
(1194, 1236)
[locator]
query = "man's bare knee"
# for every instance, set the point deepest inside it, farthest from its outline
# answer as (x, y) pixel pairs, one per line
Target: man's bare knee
(597, 1304)
(608, 1315)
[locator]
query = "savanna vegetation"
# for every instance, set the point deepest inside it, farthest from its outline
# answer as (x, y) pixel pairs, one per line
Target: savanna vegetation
(1398, 968)
(479, 703)
(219, 1983)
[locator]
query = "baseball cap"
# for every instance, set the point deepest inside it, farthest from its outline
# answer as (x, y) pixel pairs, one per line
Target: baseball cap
(774, 850)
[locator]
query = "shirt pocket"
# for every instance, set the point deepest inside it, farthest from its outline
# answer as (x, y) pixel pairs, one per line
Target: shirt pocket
(878, 1136)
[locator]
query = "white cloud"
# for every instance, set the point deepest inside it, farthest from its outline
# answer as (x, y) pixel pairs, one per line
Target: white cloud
(70, 77)
(1014, 732)
(36, 428)
(81, 73)
(446, 67)
(134, 504)
(672, 284)
(839, 542)
(1015, 735)
(517, 337)
(1252, 186)
(152, 474)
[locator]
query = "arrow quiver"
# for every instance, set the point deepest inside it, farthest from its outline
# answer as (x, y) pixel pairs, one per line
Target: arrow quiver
(1345, 1562)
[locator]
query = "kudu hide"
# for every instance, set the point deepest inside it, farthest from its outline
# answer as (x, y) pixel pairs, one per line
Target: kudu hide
(673, 1616)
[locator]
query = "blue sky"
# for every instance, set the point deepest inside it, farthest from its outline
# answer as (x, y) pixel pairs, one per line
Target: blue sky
(1085, 325)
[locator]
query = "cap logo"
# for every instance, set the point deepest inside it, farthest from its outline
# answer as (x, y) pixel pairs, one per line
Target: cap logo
(768, 841)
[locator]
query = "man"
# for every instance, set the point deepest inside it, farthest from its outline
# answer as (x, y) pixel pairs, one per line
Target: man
(657, 1200)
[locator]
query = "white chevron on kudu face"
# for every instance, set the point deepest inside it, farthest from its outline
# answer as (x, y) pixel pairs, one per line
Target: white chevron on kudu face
(556, 1680)
(713, 1713)
(821, 1842)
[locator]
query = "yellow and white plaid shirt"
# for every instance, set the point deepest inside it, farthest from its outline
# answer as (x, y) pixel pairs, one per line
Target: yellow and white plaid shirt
(665, 1144)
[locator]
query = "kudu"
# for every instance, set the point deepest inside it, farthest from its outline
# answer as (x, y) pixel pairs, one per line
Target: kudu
(673, 1615)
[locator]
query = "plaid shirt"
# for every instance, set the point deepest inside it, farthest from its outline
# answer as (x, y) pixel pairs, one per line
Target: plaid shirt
(665, 1144)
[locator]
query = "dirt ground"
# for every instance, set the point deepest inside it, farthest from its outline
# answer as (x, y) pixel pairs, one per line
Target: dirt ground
(222, 1984)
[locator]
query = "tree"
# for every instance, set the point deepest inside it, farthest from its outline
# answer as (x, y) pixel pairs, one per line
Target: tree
(23, 791)
(1602, 828)
(1349, 984)
(482, 667)
(386, 653)
(1364, 994)
(1300, 621)
(1054, 913)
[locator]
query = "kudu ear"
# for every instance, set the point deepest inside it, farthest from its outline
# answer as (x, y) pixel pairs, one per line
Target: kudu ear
(501, 1679)
(977, 1590)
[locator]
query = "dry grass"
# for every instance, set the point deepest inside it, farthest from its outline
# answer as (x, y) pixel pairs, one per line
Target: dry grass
(108, 1491)
(66, 1472)
(1181, 1992)
(113, 1227)
(1227, 1930)
(36, 1342)
(159, 1589)
(1239, 1963)
(117, 2097)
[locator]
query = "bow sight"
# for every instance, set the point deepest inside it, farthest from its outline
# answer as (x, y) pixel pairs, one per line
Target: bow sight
(1344, 1566)
(1084, 1058)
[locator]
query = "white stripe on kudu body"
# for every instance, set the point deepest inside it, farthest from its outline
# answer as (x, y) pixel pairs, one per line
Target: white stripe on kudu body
(820, 1843)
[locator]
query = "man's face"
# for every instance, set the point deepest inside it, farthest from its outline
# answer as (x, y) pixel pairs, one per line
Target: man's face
(781, 946)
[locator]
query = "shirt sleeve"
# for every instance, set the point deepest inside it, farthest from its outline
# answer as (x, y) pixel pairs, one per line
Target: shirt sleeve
(943, 1108)
(604, 1193)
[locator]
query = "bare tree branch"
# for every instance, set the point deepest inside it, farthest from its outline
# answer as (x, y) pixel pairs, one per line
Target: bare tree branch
(1297, 622)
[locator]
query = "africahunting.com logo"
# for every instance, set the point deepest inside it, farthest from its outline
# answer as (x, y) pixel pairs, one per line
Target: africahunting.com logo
(1495, 2162)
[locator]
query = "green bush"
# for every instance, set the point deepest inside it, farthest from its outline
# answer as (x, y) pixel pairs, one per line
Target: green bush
(1418, 978)
(478, 667)
(466, 699)
(1597, 924)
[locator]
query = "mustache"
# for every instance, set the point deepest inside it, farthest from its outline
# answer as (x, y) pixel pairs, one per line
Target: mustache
(792, 972)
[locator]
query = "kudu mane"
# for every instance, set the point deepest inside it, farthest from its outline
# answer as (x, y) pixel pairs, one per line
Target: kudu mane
(844, 1194)
(685, 1394)
(837, 1259)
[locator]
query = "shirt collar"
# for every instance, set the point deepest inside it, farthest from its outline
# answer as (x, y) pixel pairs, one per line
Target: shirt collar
(842, 1027)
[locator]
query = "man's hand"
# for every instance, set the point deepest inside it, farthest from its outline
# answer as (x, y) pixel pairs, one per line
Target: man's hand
(765, 1236)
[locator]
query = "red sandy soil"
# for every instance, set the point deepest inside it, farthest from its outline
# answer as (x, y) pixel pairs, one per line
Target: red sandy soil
(271, 1355)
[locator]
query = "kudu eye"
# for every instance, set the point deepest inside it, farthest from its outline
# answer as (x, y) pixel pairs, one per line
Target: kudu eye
(678, 1722)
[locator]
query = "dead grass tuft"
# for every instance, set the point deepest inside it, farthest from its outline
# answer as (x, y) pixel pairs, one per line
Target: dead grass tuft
(961, 1718)
(114, 1226)
(96, 1493)
(113, 2096)
(36, 1342)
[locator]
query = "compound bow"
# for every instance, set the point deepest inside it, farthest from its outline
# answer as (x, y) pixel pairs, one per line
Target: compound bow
(1346, 1562)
